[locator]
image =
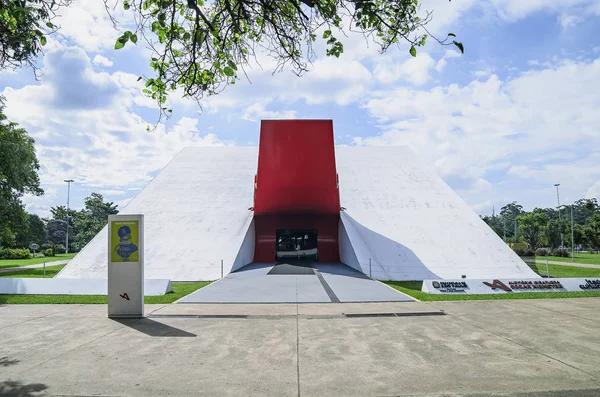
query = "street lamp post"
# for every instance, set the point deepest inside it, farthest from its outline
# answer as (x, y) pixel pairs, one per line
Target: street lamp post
(572, 237)
(68, 198)
(558, 209)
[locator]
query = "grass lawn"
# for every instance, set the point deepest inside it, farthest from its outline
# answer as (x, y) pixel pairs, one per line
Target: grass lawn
(51, 271)
(179, 290)
(582, 257)
(413, 288)
(34, 261)
(564, 271)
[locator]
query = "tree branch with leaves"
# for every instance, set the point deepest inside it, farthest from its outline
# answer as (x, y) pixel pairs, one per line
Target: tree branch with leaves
(24, 25)
(202, 46)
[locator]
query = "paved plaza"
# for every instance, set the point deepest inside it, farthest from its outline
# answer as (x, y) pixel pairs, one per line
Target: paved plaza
(534, 348)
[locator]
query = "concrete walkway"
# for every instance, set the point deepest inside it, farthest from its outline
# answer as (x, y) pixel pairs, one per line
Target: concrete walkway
(289, 283)
(573, 264)
(534, 348)
(40, 265)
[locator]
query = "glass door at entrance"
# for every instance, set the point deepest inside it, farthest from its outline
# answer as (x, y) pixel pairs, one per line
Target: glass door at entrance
(298, 244)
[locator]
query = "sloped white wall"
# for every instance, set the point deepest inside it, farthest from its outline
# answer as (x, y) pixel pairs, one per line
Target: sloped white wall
(196, 213)
(398, 213)
(411, 224)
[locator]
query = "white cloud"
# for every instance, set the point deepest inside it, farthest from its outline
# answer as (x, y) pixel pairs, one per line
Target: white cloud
(258, 112)
(593, 191)
(452, 54)
(414, 70)
(103, 143)
(112, 192)
(330, 81)
(512, 10)
(483, 73)
(466, 130)
(441, 64)
(88, 24)
(103, 61)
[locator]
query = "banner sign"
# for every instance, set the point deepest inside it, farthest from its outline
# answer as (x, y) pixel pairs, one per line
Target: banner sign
(126, 266)
(505, 286)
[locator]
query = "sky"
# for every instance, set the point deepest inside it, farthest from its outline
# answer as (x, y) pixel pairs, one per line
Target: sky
(505, 121)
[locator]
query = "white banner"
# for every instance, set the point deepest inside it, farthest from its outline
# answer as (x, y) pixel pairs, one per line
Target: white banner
(504, 286)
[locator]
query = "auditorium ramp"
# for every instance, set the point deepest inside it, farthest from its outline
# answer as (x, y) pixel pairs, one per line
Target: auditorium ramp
(307, 283)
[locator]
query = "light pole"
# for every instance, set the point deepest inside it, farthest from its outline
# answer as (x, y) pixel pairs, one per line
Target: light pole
(572, 237)
(68, 198)
(515, 246)
(558, 209)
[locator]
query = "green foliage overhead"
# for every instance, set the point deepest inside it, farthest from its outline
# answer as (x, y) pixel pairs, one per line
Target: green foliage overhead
(24, 25)
(203, 46)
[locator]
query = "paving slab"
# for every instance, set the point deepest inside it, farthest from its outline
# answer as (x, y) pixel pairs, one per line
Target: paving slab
(177, 357)
(573, 340)
(34, 310)
(227, 309)
(350, 285)
(420, 355)
(562, 305)
(365, 308)
(506, 348)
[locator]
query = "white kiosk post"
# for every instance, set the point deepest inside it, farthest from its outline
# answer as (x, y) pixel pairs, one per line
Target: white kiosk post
(126, 266)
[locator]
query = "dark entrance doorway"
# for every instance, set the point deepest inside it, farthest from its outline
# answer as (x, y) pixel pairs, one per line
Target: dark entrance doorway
(296, 244)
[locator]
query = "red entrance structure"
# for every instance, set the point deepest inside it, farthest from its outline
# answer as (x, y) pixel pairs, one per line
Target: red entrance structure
(296, 185)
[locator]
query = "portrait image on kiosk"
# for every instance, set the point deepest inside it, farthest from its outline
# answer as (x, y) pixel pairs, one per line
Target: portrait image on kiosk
(125, 241)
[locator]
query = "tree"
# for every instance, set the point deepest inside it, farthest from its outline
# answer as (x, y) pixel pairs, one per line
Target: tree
(24, 25)
(531, 226)
(200, 46)
(34, 233)
(552, 233)
(591, 231)
(583, 209)
(508, 215)
(18, 175)
(494, 223)
(93, 218)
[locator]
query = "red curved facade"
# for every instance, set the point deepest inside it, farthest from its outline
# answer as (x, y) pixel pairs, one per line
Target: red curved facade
(296, 185)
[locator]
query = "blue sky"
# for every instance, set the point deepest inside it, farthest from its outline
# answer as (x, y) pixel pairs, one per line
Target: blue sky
(515, 114)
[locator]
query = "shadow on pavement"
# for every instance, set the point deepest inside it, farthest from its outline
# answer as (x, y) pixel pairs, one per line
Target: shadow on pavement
(12, 388)
(154, 328)
(5, 362)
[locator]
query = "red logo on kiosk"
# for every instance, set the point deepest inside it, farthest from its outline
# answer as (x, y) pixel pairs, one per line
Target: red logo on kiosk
(498, 284)
(124, 296)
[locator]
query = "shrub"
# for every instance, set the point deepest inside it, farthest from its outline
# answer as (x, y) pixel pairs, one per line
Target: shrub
(48, 252)
(46, 246)
(520, 251)
(15, 253)
(542, 252)
(560, 252)
(39, 255)
(529, 252)
(58, 249)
